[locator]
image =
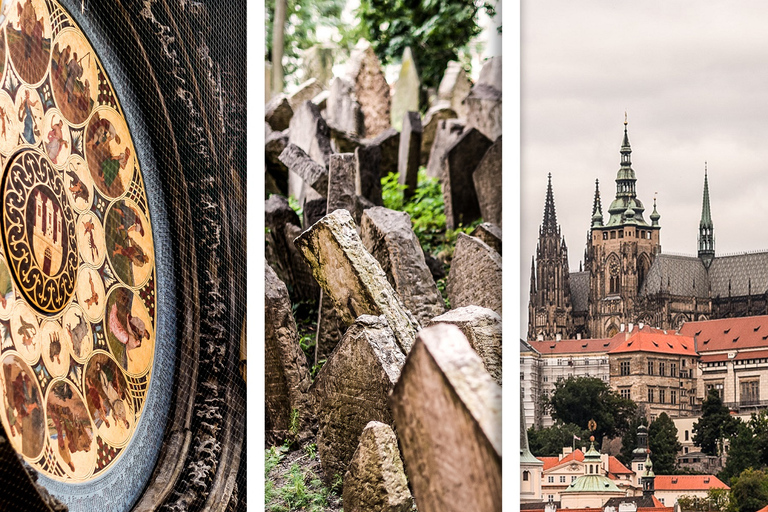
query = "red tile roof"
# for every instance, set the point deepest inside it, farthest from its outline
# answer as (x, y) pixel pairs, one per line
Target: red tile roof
(764, 509)
(728, 333)
(740, 356)
(617, 468)
(551, 462)
(688, 483)
(574, 346)
(658, 343)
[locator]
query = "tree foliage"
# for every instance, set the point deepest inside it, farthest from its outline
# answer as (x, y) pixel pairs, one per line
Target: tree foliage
(717, 500)
(550, 441)
(629, 439)
(748, 446)
(663, 443)
(580, 399)
(749, 491)
(434, 29)
(715, 424)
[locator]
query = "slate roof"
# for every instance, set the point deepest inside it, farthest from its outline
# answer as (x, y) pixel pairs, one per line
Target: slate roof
(728, 334)
(658, 343)
(641, 501)
(739, 270)
(677, 275)
(579, 282)
(688, 483)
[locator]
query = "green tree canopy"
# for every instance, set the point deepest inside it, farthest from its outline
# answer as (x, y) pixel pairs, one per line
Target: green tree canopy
(743, 453)
(749, 491)
(580, 399)
(549, 442)
(715, 424)
(434, 29)
(663, 443)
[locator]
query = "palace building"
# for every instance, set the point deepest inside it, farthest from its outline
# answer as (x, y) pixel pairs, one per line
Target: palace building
(627, 279)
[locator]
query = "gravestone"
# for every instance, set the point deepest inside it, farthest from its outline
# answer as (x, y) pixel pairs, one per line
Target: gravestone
(431, 121)
(487, 180)
(368, 173)
(343, 111)
(407, 88)
(341, 185)
(375, 480)
(309, 131)
(278, 113)
(447, 412)
(321, 100)
(353, 278)
(484, 100)
(313, 210)
(459, 195)
(448, 131)
(490, 234)
(475, 275)
(286, 377)
(454, 87)
(389, 142)
(274, 144)
(343, 142)
(310, 172)
(410, 153)
(317, 62)
(388, 236)
(482, 328)
(305, 92)
(371, 88)
(351, 390)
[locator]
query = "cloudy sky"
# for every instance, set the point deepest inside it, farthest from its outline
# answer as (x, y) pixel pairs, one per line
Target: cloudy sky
(693, 78)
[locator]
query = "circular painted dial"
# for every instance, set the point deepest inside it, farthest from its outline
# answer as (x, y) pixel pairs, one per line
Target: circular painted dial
(77, 266)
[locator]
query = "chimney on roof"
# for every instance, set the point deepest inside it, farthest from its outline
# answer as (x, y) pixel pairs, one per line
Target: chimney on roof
(631, 325)
(567, 450)
(640, 326)
(539, 337)
(578, 335)
(558, 337)
(550, 507)
(622, 328)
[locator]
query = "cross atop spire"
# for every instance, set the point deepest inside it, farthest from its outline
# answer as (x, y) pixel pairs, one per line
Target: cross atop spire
(550, 218)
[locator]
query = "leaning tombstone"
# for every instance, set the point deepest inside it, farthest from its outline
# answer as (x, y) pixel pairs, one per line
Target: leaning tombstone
(305, 92)
(431, 121)
(352, 388)
(278, 113)
(490, 234)
(475, 275)
(484, 100)
(368, 173)
(286, 377)
(407, 89)
(343, 111)
(487, 180)
(459, 195)
(371, 88)
(447, 412)
(308, 170)
(454, 87)
(410, 153)
(448, 131)
(388, 236)
(353, 278)
(389, 142)
(482, 328)
(310, 132)
(341, 185)
(375, 480)
(317, 62)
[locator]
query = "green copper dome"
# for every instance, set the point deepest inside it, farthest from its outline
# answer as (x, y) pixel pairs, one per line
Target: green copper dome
(595, 482)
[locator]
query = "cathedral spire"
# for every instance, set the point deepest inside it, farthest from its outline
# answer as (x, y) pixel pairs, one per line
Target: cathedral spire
(626, 208)
(550, 218)
(706, 229)
(597, 207)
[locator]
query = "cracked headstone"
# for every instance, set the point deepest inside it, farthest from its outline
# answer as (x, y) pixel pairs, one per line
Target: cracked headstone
(352, 388)
(278, 113)
(286, 377)
(447, 412)
(448, 131)
(343, 111)
(459, 195)
(305, 92)
(487, 179)
(454, 87)
(431, 121)
(475, 275)
(389, 142)
(388, 236)
(484, 100)
(371, 88)
(490, 234)
(353, 278)
(368, 174)
(407, 89)
(310, 132)
(375, 480)
(310, 172)
(410, 153)
(482, 328)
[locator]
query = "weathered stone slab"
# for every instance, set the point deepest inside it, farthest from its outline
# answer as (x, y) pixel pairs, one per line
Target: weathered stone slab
(448, 132)
(482, 328)
(343, 142)
(454, 87)
(330, 328)
(310, 132)
(343, 111)
(447, 412)
(434, 115)
(305, 288)
(317, 62)
(352, 277)
(410, 153)
(487, 179)
(312, 173)
(274, 144)
(484, 100)
(321, 100)
(407, 89)
(375, 480)
(313, 210)
(459, 195)
(371, 88)
(388, 236)
(352, 388)
(305, 92)
(286, 377)
(341, 185)
(368, 174)
(490, 234)
(278, 113)
(475, 276)
(389, 142)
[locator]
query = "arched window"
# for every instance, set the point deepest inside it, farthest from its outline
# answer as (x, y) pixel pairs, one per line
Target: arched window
(526, 476)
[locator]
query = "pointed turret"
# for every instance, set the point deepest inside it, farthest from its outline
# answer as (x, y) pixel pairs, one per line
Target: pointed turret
(626, 208)
(655, 215)
(533, 277)
(550, 218)
(597, 207)
(649, 477)
(706, 229)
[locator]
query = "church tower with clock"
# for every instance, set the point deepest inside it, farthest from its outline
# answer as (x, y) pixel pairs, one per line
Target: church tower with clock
(619, 252)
